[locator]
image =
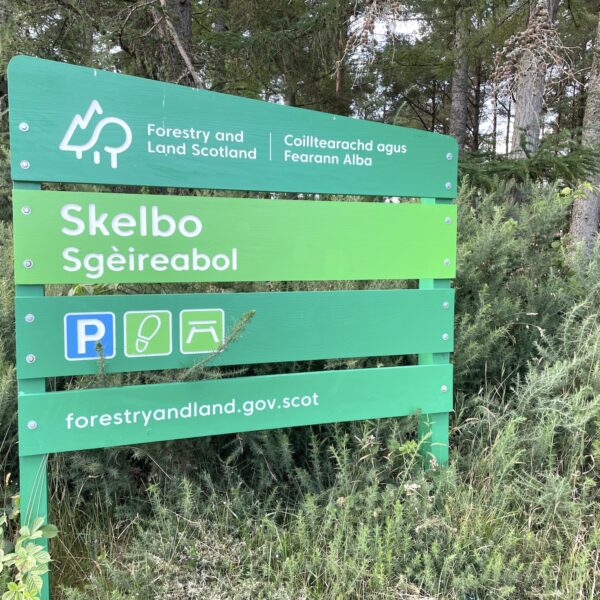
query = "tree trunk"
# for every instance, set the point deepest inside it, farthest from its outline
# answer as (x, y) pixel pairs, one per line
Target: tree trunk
(180, 12)
(219, 26)
(476, 107)
(176, 27)
(460, 80)
(508, 118)
(529, 93)
(494, 121)
(586, 209)
(581, 102)
(433, 107)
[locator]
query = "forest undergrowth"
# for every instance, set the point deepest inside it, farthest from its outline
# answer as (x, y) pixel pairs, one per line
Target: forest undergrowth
(346, 511)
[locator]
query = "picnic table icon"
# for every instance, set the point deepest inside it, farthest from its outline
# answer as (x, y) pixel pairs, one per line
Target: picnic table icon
(205, 326)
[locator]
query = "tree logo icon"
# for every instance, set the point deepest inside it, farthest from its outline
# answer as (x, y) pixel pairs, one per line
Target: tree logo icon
(81, 123)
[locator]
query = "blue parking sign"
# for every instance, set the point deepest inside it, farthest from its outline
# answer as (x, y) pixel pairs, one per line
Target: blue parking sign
(84, 331)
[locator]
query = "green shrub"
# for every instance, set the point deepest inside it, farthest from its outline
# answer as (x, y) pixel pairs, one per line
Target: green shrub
(24, 562)
(513, 285)
(345, 511)
(516, 516)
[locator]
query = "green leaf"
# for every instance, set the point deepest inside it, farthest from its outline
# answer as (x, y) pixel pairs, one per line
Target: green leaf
(49, 531)
(24, 531)
(9, 559)
(37, 524)
(40, 569)
(33, 583)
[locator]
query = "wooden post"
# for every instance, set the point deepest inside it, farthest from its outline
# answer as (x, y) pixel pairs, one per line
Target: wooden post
(33, 472)
(434, 427)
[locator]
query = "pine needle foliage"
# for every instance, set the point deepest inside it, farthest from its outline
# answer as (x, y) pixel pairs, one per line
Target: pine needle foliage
(560, 158)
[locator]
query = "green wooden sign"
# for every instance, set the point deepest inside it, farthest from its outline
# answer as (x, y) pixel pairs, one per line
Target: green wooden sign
(171, 331)
(67, 237)
(100, 418)
(77, 125)
(74, 124)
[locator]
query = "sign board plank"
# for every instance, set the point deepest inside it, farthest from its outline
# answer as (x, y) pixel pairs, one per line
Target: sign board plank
(81, 125)
(160, 331)
(102, 418)
(81, 237)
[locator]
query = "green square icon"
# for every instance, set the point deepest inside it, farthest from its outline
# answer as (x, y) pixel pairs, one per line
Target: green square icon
(202, 330)
(147, 333)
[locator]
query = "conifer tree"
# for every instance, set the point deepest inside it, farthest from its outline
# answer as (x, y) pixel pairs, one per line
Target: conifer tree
(586, 208)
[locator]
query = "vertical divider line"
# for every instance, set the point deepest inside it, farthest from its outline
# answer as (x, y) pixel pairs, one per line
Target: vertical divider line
(33, 470)
(434, 428)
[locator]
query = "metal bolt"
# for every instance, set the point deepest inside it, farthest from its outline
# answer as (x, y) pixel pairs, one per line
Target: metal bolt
(30, 358)
(29, 318)
(448, 185)
(449, 156)
(24, 164)
(447, 220)
(26, 210)
(32, 425)
(24, 126)
(28, 263)
(444, 389)
(445, 337)
(446, 305)
(447, 262)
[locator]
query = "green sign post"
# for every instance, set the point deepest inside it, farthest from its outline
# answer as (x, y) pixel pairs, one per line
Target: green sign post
(76, 125)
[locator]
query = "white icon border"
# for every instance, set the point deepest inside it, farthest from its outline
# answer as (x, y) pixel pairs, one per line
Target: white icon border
(147, 312)
(187, 310)
(114, 334)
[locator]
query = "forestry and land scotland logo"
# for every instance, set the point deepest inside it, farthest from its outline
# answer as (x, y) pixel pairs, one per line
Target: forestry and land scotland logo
(79, 126)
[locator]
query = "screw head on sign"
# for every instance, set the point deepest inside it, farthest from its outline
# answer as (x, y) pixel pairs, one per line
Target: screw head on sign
(32, 425)
(447, 262)
(448, 185)
(447, 220)
(24, 164)
(446, 305)
(444, 389)
(26, 210)
(29, 318)
(30, 358)
(445, 337)
(28, 263)
(449, 156)
(24, 126)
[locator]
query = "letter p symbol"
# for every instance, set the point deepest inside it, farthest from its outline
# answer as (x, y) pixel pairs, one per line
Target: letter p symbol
(89, 330)
(83, 331)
